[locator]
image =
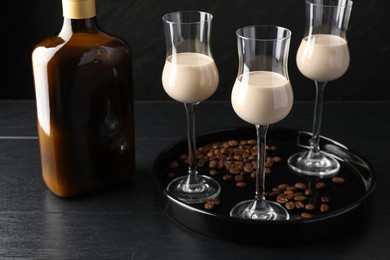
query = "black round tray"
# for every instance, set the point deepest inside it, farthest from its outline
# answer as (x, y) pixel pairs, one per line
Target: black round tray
(349, 203)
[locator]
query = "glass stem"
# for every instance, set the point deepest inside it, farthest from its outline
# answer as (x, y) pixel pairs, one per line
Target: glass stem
(192, 178)
(261, 132)
(315, 141)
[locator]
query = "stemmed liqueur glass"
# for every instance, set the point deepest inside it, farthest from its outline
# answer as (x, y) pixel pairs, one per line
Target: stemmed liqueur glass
(262, 95)
(190, 76)
(322, 56)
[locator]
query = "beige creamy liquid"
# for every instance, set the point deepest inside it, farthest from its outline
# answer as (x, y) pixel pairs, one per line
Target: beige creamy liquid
(262, 97)
(190, 77)
(323, 57)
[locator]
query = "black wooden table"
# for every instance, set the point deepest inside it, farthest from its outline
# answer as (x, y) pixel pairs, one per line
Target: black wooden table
(129, 223)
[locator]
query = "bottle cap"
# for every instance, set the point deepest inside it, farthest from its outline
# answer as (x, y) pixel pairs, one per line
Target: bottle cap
(78, 9)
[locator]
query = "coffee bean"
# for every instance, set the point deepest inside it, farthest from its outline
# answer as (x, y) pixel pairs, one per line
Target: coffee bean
(306, 215)
(338, 180)
(248, 168)
(174, 164)
(213, 164)
(324, 199)
(308, 192)
(227, 177)
(300, 185)
(300, 198)
(234, 170)
(299, 205)
(213, 172)
(281, 200)
(288, 192)
(238, 178)
(214, 201)
(241, 184)
(310, 206)
(253, 175)
(320, 185)
(208, 206)
(324, 208)
(274, 193)
(290, 205)
(283, 186)
(291, 188)
(252, 142)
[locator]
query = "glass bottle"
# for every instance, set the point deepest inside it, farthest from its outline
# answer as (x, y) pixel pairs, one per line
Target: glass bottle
(84, 98)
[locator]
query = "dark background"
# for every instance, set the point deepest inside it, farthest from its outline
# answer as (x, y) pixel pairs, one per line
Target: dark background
(138, 22)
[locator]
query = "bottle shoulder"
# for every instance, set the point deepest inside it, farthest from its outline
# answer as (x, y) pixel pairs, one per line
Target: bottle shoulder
(97, 46)
(82, 39)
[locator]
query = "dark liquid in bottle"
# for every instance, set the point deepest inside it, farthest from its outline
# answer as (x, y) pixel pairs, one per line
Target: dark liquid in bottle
(85, 112)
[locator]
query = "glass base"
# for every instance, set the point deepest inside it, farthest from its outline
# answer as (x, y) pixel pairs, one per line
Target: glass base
(205, 189)
(259, 210)
(321, 165)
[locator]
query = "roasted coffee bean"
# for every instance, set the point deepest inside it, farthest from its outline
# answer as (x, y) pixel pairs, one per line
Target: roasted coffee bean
(324, 199)
(338, 180)
(324, 208)
(276, 159)
(283, 186)
(274, 193)
(281, 200)
(213, 172)
(308, 192)
(234, 170)
(252, 142)
(310, 206)
(300, 198)
(306, 215)
(238, 178)
(248, 168)
(300, 185)
(291, 188)
(290, 205)
(213, 164)
(320, 185)
(214, 201)
(201, 163)
(208, 206)
(289, 196)
(227, 177)
(299, 205)
(241, 184)
(174, 164)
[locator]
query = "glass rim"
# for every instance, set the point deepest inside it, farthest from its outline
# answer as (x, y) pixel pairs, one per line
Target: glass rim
(288, 33)
(208, 17)
(346, 3)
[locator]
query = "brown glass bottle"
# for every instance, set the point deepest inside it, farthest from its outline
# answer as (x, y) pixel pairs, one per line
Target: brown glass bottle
(84, 97)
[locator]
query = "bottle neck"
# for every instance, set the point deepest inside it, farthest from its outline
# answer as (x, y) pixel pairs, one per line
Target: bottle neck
(79, 16)
(80, 25)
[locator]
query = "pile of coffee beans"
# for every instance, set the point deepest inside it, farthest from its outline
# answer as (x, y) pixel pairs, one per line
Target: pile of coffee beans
(300, 198)
(235, 160)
